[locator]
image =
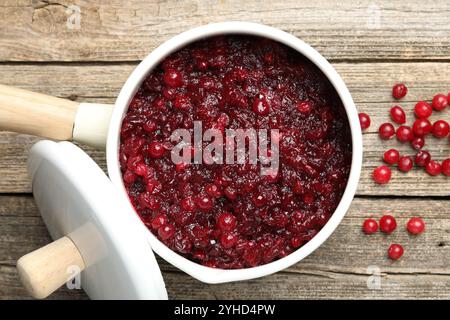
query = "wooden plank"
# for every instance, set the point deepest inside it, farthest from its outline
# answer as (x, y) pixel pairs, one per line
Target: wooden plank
(338, 269)
(38, 30)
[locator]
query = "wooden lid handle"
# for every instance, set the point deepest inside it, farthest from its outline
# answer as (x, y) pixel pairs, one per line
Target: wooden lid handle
(46, 269)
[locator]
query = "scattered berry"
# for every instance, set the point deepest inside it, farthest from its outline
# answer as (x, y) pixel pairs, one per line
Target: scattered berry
(382, 174)
(422, 127)
(398, 115)
(404, 134)
(441, 129)
(391, 156)
(433, 168)
(415, 225)
(395, 251)
(439, 102)
(386, 131)
(364, 120)
(405, 163)
(388, 224)
(417, 143)
(370, 226)
(399, 90)
(445, 167)
(422, 158)
(423, 109)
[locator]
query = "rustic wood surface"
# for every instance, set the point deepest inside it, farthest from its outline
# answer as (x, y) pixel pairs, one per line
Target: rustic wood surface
(371, 44)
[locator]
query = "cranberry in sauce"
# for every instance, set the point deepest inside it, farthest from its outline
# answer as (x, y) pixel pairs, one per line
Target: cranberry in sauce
(229, 215)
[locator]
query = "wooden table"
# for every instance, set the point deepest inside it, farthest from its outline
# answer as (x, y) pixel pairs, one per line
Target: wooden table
(370, 43)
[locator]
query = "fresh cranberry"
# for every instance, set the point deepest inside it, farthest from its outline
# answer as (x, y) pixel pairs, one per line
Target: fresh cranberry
(404, 134)
(166, 231)
(422, 127)
(382, 175)
(395, 251)
(398, 115)
(364, 120)
(415, 225)
(439, 102)
(388, 224)
(433, 168)
(399, 90)
(156, 149)
(226, 221)
(445, 167)
(440, 129)
(173, 78)
(386, 131)
(423, 109)
(417, 143)
(370, 226)
(391, 156)
(422, 158)
(405, 163)
(305, 108)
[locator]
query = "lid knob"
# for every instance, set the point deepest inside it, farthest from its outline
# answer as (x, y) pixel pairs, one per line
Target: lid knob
(44, 270)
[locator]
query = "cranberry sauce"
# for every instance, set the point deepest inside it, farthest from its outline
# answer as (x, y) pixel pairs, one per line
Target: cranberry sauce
(228, 215)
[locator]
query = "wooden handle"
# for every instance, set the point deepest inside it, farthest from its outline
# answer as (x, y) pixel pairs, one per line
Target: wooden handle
(37, 114)
(46, 269)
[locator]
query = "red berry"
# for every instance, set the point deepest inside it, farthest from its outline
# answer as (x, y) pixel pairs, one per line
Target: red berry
(228, 240)
(422, 158)
(417, 143)
(166, 231)
(415, 225)
(305, 108)
(261, 107)
(398, 115)
(386, 131)
(159, 221)
(370, 226)
(399, 90)
(422, 127)
(226, 221)
(445, 167)
(205, 202)
(423, 109)
(364, 120)
(173, 78)
(404, 134)
(391, 156)
(156, 149)
(382, 174)
(388, 224)
(439, 102)
(433, 168)
(441, 129)
(405, 163)
(395, 251)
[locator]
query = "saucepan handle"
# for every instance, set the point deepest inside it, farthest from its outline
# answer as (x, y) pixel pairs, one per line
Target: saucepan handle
(38, 114)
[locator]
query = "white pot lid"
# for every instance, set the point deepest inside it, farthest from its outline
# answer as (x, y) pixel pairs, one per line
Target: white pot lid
(76, 199)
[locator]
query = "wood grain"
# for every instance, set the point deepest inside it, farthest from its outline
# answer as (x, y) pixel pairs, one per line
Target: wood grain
(127, 31)
(338, 269)
(369, 83)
